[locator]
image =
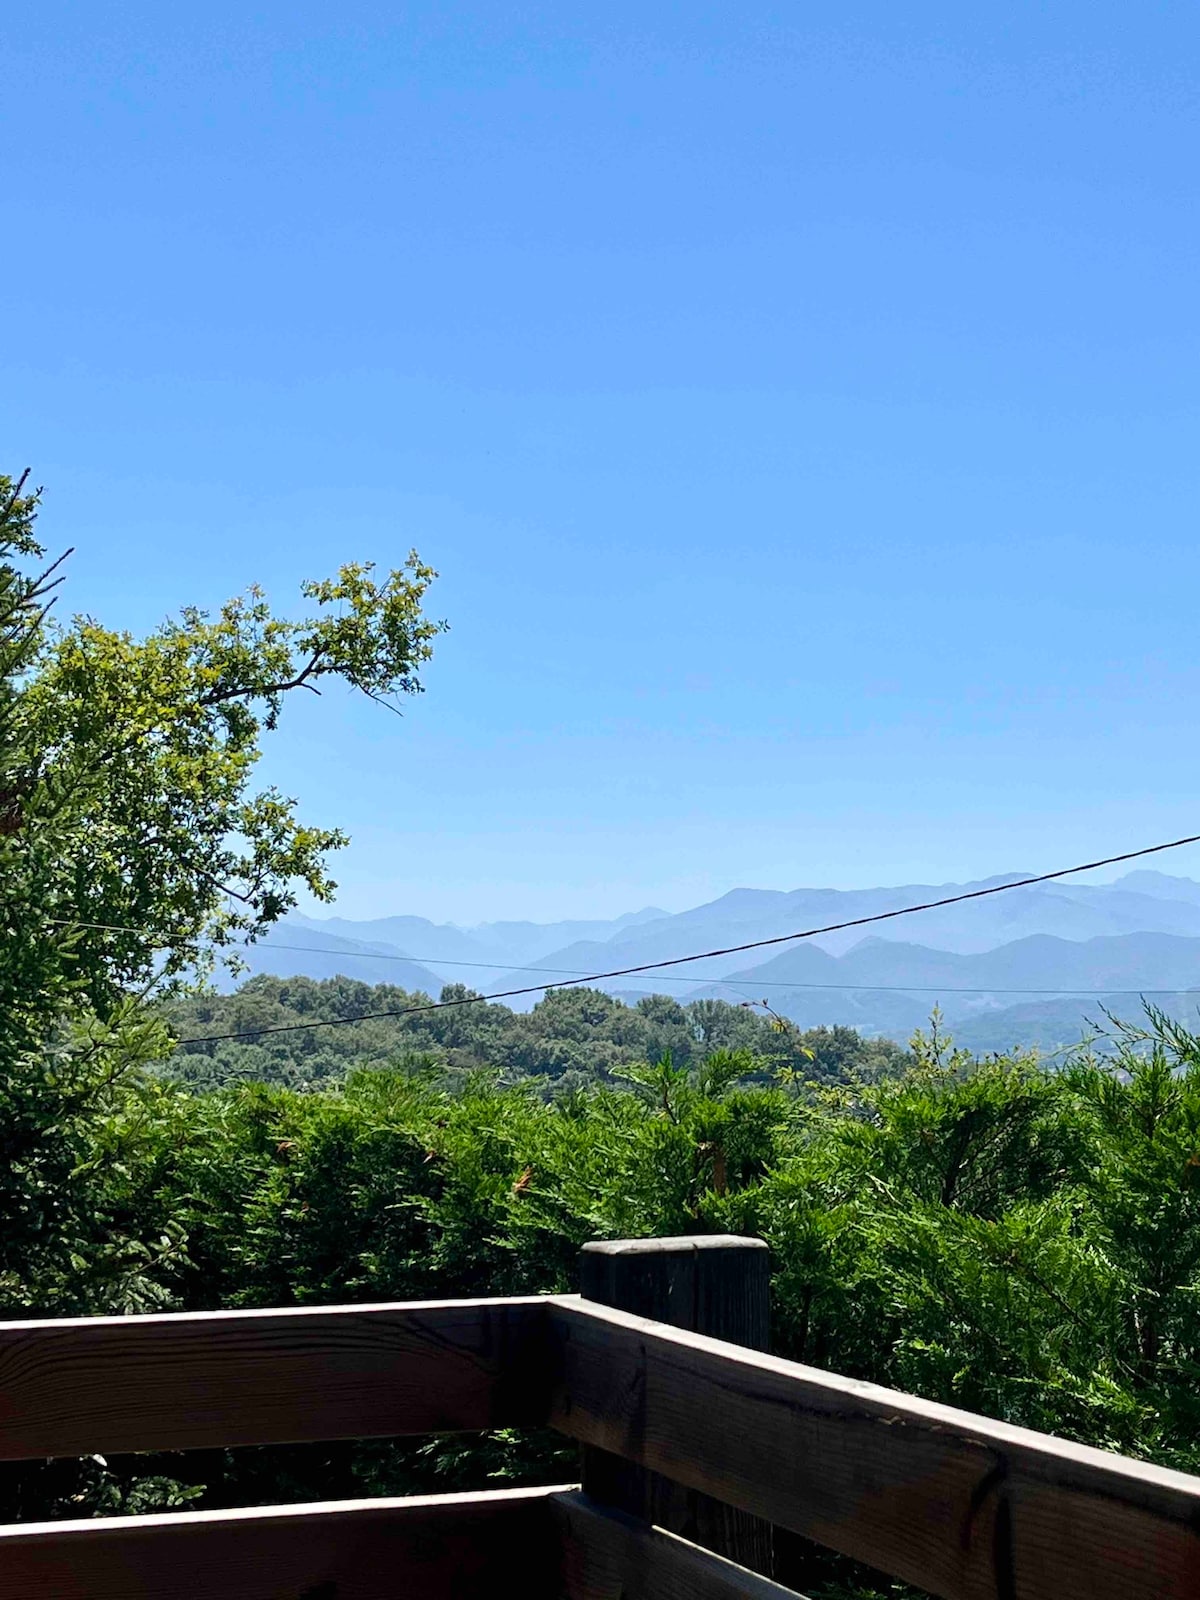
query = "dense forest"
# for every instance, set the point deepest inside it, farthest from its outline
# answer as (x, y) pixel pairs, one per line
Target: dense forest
(1016, 1238)
(571, 1039)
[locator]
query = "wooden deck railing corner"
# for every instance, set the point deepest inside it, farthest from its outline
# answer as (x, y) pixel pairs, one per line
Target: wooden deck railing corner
(697, 1447)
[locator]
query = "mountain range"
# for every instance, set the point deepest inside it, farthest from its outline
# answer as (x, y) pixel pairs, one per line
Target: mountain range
(1027, 966)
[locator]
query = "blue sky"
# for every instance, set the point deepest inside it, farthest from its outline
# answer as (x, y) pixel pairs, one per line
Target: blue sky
(799, 402)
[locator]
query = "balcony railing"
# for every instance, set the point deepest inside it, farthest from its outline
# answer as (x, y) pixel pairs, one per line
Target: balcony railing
(679, 1429)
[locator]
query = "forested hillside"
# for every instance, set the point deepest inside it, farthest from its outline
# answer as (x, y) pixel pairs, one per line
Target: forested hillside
(572, 1038)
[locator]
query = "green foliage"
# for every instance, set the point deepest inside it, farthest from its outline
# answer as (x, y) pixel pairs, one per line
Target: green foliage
(572, 1038)
(132, 847)
(996, 1235)
(179, 856)
(60, 1062)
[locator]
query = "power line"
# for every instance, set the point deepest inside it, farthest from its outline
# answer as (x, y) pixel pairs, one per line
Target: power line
(936, 988)
(670, 977)
(703, 955)
(434, 962)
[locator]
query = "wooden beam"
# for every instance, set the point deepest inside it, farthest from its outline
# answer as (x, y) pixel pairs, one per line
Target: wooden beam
(205, 1379)
(718, 1284)
(444, 1547)
(960, 1505)
(607, 1555)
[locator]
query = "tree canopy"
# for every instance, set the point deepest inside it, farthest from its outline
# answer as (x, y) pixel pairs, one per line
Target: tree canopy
(570, 1039)
(134, 849)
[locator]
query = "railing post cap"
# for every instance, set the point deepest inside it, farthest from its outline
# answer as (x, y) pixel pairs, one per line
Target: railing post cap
(674, 1245)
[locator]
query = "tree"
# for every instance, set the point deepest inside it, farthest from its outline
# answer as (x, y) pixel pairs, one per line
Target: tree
(135, 852)
(40, 1054)
(178, 857)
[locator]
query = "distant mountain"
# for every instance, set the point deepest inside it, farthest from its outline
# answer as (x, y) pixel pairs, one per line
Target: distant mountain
(480, 956)
(1162, 886)
(1041, 962)
(1139, 933)
(1076, 912)
(435, 941)
(523, 942)
(1053, 1025)
(1051, 987)
(295, 949)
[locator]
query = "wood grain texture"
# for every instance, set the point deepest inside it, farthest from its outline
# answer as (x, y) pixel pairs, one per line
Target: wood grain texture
(444, 1547)
(717, 1284)
(607, 1555)
(962, 1506)
(198, 1380)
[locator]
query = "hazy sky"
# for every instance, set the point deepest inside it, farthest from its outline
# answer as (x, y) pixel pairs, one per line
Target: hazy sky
(799, 402)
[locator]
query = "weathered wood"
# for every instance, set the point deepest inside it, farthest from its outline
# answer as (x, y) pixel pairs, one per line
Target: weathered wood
(608, 1555)
(713, 1284)
(444, 1547)
(718, 1284)
(960, 1505)
(196, 1380)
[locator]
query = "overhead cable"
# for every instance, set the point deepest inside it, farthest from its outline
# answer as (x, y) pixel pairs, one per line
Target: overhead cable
(701, 955)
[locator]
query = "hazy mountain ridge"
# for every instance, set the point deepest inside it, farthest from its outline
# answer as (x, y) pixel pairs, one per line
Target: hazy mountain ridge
(490, 946)
(293, 949)
(1076, 912)
(1040, 990)
(1139, 933)
(1040, 961)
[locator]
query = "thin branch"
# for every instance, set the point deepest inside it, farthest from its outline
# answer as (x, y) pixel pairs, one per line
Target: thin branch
(218, 697)
(380, 701)
(15, 493)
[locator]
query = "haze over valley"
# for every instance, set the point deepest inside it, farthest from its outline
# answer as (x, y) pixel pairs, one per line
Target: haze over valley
(1031, 966)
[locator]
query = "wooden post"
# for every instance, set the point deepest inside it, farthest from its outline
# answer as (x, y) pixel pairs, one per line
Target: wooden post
(714, 1284)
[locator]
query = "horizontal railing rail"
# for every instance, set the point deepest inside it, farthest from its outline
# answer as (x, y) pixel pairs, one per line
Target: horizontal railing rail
(197, 1380)
(960, 1505)
(531, 1543)
(956, 1503)
(351, 1550)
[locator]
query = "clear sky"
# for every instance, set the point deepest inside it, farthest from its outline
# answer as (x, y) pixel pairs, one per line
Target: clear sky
(799, 401)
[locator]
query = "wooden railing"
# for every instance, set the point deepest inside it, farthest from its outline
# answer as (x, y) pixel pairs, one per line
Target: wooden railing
(683, 1434)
